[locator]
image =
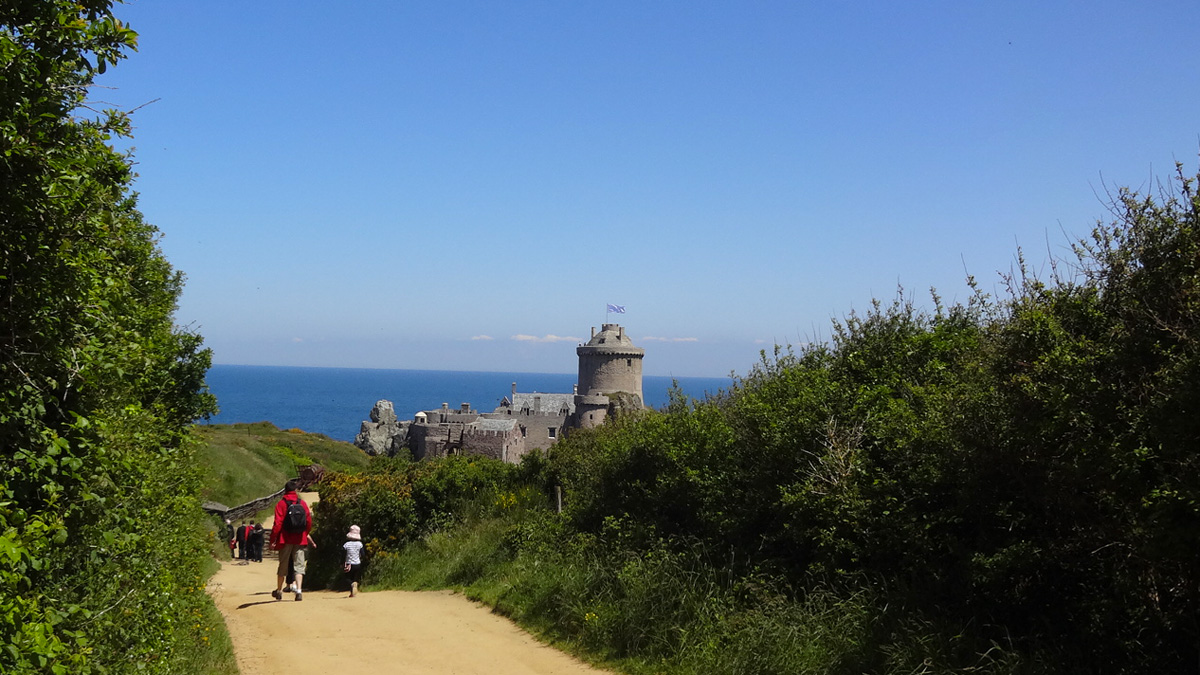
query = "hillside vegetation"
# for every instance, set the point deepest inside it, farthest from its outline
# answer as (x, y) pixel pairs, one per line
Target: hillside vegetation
(1009, 485)
(242, 462)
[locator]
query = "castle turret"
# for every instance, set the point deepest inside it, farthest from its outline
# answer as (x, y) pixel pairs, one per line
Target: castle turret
(608, 364)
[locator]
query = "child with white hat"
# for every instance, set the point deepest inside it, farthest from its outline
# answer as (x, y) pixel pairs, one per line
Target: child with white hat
(355, 556)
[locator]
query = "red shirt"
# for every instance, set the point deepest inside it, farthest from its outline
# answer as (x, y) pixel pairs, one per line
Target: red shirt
(278, 536)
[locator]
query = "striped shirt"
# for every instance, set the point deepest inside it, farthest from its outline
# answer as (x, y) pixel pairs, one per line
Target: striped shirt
(353, 552)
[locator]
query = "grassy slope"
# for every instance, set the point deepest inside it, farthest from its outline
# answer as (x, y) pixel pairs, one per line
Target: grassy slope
(247, 461)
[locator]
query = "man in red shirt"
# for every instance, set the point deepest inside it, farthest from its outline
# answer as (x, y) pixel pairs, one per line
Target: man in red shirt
(289, 536)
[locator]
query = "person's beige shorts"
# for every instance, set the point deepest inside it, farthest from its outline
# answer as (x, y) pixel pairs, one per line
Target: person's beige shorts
(298, 555)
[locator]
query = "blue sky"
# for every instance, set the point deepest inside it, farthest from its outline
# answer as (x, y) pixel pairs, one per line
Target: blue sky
(465, 185)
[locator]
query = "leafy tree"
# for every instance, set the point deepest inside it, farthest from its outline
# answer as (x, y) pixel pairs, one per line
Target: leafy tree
(1013, 476)
(97, 385)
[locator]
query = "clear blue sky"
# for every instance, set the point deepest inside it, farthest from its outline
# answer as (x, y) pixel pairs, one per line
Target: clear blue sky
(434, 184)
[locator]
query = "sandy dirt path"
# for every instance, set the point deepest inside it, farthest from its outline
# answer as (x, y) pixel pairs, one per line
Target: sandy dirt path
(434, 633)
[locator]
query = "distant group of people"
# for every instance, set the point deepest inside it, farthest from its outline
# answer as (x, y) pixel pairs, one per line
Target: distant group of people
(245, 541)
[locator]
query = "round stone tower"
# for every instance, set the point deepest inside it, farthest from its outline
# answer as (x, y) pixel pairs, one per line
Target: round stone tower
(608, 364)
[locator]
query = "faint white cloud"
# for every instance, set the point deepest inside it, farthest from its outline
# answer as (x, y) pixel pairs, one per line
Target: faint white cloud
(651, 338)
(545, 338)
(761, 342)
(296, 339)
(482, 337)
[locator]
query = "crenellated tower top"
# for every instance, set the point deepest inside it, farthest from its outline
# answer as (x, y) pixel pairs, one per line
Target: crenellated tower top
(610, 363)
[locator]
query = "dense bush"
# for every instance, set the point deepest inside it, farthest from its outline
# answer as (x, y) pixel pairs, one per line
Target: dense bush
(1022, 467)
(1005, 485)
(395, 502)
(101, 547)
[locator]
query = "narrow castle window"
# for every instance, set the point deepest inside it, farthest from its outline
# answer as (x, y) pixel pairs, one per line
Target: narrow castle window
(629, 362)
(552, 430)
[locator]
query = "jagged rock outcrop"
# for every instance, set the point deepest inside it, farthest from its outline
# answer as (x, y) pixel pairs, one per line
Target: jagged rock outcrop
(623, 403)
(383, 434)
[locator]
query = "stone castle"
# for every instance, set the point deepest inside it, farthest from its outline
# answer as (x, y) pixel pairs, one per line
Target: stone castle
(609, 383)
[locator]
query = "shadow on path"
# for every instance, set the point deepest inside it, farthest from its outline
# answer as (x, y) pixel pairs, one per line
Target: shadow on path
(260, 602)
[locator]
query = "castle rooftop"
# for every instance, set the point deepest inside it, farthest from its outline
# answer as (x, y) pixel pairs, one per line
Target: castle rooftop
(612, 337)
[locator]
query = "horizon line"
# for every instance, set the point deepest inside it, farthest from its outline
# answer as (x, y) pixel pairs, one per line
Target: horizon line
(452, 370)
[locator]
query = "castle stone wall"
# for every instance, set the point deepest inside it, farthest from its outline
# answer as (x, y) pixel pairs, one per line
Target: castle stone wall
(609, 363)
(507, 446)
(610, 373)
(590, 411)
(434, 440)
(535, 428)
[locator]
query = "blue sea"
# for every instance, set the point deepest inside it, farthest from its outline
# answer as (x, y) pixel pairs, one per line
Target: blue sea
(335, 401)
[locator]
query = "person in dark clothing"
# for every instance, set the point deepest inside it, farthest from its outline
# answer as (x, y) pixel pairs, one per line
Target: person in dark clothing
(249, 541)
(241, 540)
(256, 542)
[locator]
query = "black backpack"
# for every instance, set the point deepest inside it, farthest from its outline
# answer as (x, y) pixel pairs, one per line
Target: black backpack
(296, 518)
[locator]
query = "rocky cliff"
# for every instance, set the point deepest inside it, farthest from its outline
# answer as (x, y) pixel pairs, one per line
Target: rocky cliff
(383, 434)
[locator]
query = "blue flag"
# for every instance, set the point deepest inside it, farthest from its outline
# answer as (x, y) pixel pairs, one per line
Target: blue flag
(617, 309)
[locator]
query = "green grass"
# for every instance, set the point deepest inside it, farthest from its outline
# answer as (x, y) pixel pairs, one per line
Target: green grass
(670, 610)
(211, 653)
(247, 461)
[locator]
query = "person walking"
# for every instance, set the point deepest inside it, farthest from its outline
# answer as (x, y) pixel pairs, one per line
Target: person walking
(231, 538)
(241, 540)
(247, 530)
(289, 536)
(290, 579)
(355, 557)
(256, 542)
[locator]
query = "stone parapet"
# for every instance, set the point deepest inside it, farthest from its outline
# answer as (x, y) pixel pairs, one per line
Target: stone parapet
(585, 350)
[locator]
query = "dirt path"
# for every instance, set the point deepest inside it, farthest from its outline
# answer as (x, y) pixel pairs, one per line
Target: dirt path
(377, 632)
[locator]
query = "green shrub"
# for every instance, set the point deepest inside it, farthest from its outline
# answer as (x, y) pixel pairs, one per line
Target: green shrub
(1019, 468)
(1002, 486)
(397, 501)
(100, 539)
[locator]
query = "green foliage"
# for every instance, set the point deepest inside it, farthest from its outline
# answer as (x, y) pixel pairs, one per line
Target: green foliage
(396, 502)
(1002, 486)
(1023, 468)
(663, 607)
(99, 534)
(247, 461)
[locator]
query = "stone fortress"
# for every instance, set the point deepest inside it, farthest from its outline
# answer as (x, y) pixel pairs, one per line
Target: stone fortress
(609, 383)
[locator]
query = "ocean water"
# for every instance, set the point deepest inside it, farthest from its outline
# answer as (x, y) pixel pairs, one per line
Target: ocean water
(335, 401)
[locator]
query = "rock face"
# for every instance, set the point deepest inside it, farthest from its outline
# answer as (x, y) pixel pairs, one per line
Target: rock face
(623, 403)
(383, 434)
